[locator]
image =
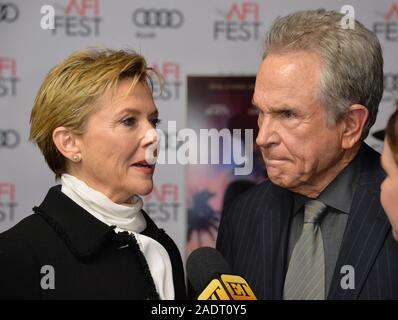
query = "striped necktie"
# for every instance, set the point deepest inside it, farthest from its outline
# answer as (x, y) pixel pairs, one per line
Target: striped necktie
(305, 278)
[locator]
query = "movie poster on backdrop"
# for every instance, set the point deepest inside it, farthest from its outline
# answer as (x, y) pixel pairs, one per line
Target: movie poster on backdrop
(223, 119)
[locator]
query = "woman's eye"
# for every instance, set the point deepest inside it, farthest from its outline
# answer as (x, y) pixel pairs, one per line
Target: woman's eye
(155, 122)
(128, 122)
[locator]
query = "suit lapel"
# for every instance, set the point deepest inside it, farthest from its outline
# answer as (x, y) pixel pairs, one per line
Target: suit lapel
(276, 231)
(366, 231)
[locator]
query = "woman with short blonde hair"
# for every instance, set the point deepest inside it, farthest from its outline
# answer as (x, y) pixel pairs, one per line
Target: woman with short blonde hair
(93, 120)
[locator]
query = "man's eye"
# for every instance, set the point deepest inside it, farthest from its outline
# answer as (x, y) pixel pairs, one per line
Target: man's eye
(128, 121)
(288, 114)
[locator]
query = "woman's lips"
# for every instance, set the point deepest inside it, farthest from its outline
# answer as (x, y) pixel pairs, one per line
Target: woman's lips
(143, 167)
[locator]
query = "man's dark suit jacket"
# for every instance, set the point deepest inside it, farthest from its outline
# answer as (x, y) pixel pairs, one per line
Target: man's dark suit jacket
(253, 237)
(89, 259)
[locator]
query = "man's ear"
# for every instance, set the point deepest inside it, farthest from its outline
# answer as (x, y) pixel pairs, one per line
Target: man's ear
(66, 142)
(354, 122)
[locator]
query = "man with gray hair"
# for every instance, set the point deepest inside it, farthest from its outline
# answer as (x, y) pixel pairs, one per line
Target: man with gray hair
(315, 228)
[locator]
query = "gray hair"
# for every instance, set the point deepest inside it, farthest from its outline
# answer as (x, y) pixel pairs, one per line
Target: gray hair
(352, 61)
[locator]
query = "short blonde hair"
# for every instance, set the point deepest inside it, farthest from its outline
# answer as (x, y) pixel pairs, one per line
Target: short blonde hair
(68, 94)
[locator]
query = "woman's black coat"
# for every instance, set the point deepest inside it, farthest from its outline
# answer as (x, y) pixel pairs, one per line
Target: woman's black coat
(63, 252)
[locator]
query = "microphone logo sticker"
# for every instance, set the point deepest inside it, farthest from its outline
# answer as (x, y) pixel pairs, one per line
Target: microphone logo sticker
(214, 291)
(237, 287)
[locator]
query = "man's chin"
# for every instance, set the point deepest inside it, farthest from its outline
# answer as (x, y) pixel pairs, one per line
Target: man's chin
(281, 181)
(277, 180)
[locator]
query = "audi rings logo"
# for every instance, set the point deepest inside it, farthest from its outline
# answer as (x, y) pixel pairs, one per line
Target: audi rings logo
(9, 12)
(158, 18)
(9, 138)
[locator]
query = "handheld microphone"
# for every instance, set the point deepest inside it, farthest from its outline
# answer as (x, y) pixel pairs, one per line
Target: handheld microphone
(210, 274)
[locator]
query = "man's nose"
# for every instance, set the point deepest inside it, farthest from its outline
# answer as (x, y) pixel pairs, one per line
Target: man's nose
(268, 135)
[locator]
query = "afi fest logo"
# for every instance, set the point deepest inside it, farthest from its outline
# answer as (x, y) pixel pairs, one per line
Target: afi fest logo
(242, 23)
(163, 202)
(170, 73)
(7, 202)
(81, 19)
(147, 20)
(8, 77)
(388, 29)
(9, 12)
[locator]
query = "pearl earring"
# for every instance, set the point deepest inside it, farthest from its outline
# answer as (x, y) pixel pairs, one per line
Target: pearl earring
(76, 158)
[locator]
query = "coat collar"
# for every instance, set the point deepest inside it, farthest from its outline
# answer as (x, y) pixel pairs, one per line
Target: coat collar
(276, 232)
(83, 234)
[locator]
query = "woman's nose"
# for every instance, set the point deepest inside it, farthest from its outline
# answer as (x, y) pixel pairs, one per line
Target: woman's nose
(151, 136)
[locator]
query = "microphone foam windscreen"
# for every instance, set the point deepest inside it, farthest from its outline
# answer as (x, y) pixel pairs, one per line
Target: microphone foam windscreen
(203, 265)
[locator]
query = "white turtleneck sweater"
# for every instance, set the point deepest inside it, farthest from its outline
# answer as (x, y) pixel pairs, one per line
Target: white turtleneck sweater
(126, 217)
